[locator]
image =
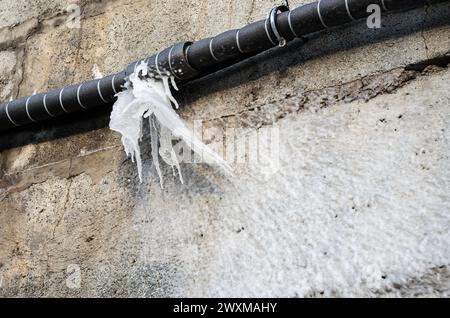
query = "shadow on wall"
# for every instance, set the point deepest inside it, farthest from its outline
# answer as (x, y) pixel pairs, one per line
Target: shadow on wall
(274, 60)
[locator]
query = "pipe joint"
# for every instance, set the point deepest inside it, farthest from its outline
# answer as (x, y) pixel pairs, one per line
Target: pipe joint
(172, 61)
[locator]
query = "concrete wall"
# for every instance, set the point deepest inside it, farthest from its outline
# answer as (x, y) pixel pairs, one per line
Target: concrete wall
(358, 205)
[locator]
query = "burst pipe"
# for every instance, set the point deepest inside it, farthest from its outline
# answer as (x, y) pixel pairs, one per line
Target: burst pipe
(187, 61)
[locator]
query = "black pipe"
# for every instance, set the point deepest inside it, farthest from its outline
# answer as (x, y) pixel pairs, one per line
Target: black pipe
(187, 61)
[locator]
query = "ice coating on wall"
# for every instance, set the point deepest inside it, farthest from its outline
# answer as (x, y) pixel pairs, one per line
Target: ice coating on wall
(151, 99)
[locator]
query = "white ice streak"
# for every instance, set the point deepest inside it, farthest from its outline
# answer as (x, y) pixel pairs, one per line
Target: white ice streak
(150, 98)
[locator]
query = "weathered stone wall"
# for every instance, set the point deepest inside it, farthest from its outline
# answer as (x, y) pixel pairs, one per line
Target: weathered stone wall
(360, 204)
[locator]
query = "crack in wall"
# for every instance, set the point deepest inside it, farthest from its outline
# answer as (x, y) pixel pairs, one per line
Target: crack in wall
(17, 35)
(252, 10)
(422, 32)
(365, 88)
(53, 235)
(21, 71)
(11, 38)
(66, 169)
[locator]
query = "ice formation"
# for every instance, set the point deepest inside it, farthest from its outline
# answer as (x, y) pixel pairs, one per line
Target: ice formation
(148, 98)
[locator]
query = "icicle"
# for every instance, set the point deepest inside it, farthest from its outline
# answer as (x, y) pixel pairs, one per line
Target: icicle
(146, 97)
(174, 84)
(169, 92)
(154, 144)
(166, 151)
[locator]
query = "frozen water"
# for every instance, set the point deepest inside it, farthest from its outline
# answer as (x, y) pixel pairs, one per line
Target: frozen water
(150, 98)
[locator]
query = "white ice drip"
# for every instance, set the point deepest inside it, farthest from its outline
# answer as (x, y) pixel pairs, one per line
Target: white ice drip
(150, 98)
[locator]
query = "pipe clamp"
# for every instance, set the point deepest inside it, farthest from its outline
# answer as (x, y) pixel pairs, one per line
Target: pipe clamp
(274, 25)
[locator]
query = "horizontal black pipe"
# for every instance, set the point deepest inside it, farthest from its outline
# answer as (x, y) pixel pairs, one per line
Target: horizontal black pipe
(187, 61)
